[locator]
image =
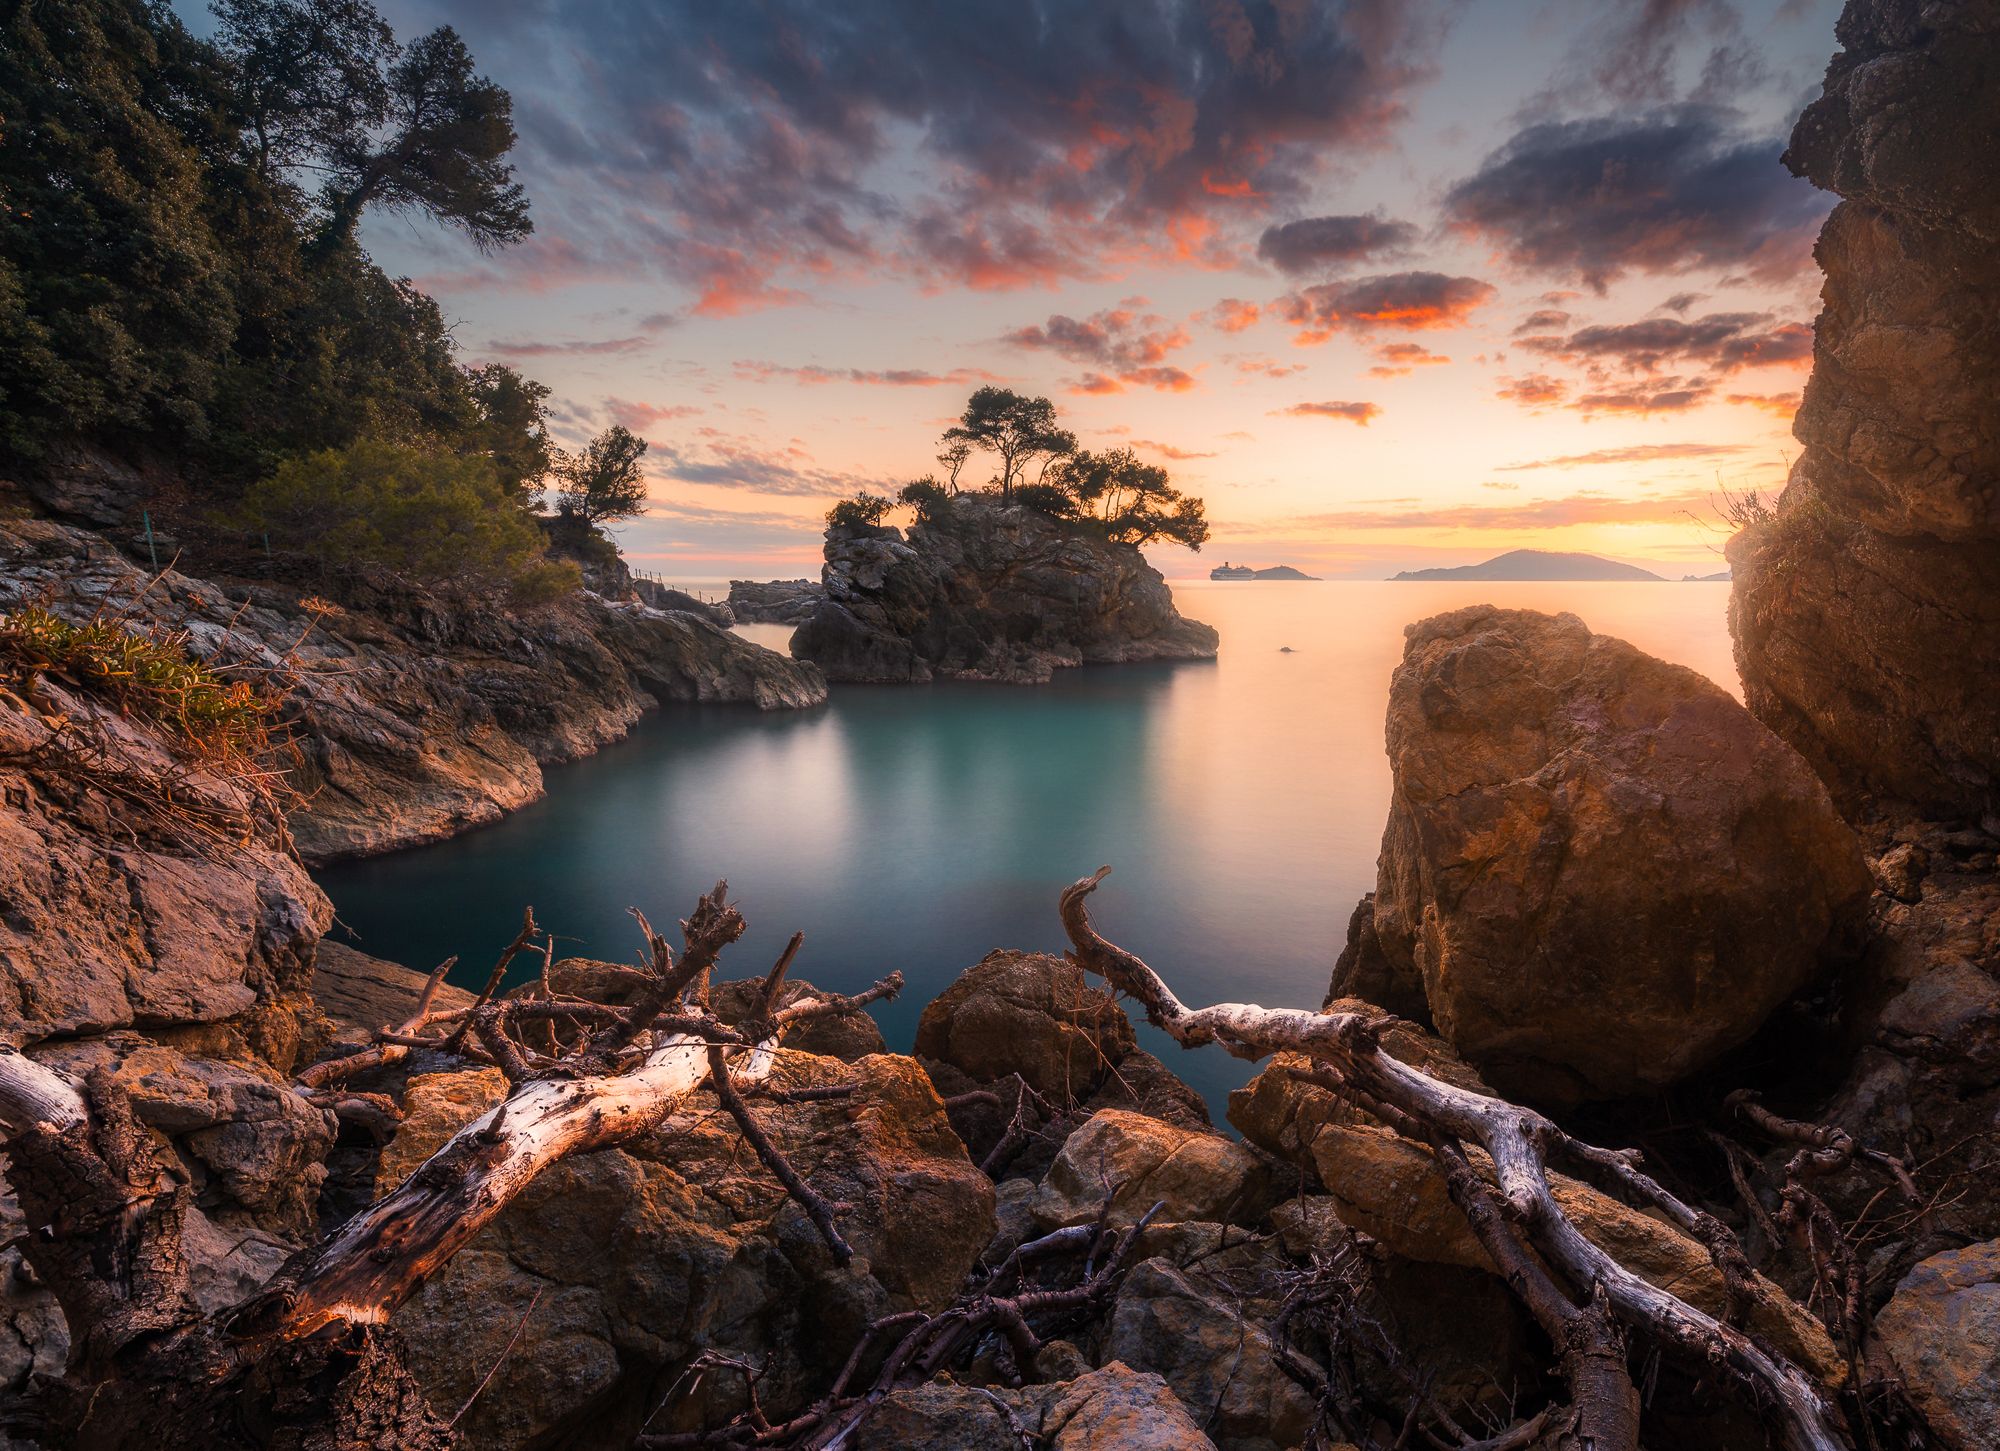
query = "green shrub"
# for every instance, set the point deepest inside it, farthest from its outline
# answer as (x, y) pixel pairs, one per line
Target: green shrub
(863, 511)
(929, 499)
(429, 516)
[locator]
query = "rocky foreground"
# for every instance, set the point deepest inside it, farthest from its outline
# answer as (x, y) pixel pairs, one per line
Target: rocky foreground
(980, 592)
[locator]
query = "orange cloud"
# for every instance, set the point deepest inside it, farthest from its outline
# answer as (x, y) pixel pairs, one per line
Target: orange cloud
(1361, 413)
(1405, 301)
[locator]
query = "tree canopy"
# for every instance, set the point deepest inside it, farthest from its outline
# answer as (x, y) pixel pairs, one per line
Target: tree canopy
(1018, 431)
(604, 482)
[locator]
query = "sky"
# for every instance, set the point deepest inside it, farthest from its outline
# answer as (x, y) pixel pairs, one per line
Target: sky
(1389, 283)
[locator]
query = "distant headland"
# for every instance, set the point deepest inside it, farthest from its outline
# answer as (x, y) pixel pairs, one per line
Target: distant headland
(1226, 570)
(1538, 564)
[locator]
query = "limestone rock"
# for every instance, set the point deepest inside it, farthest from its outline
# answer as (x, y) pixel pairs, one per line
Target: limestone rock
(645, 1255)
(1388, 1187)
(848, 1037)
(1867, 612)
(1603, 870)
(986, 593)
(1137, 1161)
(1941, 1331)
(360, 994)
(1114, 1408)
(1027, 1013)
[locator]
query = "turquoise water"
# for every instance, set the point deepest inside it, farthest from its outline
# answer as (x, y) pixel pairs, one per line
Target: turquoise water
(1240, 803)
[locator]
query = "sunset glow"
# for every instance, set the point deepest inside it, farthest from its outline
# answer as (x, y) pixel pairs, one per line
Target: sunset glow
(1390, 285)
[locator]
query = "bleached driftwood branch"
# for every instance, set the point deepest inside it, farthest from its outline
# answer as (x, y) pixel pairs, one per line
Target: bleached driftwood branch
(1519, 1142)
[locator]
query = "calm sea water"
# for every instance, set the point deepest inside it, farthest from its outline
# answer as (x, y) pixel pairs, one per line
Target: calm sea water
(1240, 803)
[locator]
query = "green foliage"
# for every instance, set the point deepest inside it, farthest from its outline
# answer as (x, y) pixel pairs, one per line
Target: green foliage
(1016, 430)
(1132, 501)
(863, 511)
(927, 498)
(146, 674)
(604, 482)
(166, 279)
(433, 518)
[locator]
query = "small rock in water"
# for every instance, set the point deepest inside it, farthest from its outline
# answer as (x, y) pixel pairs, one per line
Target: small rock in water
(1286, 650)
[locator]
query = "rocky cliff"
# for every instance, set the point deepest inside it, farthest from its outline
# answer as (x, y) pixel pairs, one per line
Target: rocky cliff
(415, 718)
(979, 592)
(1867, 611)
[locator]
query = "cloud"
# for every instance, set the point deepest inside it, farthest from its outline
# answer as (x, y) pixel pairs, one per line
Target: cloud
(639, 417)
(1399, 359)
(565, 348)
(742, 150)
(1361, 413)
(1572, 510)
(1675, 191)
(1327, 244)
(883, 377)
(1783, 405)
(1635, 453)
(1268, 368)
(1407, 301)
(1682, 301)
(1167, 450)
(1233, 315)
(725, 462)
(1536, 391)
(1724, 341)
(1125, 347)
(1646, 396)
(1543, 320)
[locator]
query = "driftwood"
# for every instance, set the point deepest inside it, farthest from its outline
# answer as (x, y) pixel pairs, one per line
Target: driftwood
(1520, 1145)
(310, 1358)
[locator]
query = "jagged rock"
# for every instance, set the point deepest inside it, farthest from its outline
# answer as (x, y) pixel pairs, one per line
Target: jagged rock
(848, 1036)
(360, 994)
(1867, 613)
(1386, 1186)
(986, 593)
(778, 602)
(1027, 1013)
(417, 718)
(1941, 1331)
(1111, 1409)
(1602, 869)
(645, 1254)
(1141, 1083)
(1214, 1355)
(1136, 1161)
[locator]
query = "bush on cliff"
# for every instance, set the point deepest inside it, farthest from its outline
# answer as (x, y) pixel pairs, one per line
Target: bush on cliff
(434, 518)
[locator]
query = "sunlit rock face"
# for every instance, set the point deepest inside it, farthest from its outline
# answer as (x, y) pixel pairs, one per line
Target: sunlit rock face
(1600, 871)
(986, 593)
(1867, 612)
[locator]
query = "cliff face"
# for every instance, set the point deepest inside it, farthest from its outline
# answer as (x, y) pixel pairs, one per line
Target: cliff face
(1867, 613)
(985, 593)
(416, 721)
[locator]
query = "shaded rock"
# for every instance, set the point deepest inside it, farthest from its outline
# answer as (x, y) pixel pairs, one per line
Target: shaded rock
(681, 1241)
(1028, 1013)
(1603, 870)
(1941, 1331)
(1136, 1161)
(1867, 612)
(986, 593)
(1390, 1188)
(1217, 1361)
(1364, 971)
(360, 994)
(777, 602)
(1111, 1409)
(1141, 1083)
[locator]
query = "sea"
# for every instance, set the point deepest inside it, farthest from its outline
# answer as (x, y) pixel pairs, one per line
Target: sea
(1239, 803)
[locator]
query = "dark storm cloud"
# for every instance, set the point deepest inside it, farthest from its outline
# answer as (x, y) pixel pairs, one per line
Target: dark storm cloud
(1724, 341)
(1395, 301)
(1666, 193)
(744, 148)
(1325, 244)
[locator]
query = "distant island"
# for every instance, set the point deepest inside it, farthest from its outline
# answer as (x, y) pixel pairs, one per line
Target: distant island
(1720, 578)
(1537, 564)
(1226, 570)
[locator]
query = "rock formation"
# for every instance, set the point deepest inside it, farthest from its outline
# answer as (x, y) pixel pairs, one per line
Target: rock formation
(778, 602)
(1867, 611)
(1601, 869)
(416, 719)
(979, 592)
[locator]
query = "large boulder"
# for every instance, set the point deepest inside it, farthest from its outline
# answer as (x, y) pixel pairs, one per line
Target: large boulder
(776, 602)
(1941, 1332)
(1134, 1162)
(1867, 611)
(645, 1255)
(978, 592)
(1028, 1013)
(1603, 871)
(1111, 1409)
